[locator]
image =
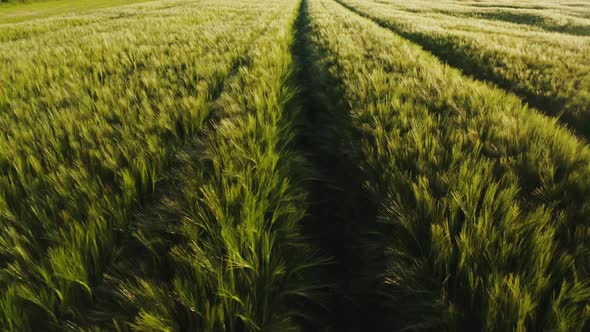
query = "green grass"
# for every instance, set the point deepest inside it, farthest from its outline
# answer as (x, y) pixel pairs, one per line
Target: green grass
(13, 12)
(285, 165)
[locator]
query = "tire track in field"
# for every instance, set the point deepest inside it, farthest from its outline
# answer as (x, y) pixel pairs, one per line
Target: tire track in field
(445, 52)
(341, 219)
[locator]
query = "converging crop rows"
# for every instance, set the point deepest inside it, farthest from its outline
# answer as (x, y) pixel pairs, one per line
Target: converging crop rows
(296, 165)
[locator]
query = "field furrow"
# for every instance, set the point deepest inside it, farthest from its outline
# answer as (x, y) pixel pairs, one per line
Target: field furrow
(230, 232)
(483, 202)
(341, 219)
(549, 70)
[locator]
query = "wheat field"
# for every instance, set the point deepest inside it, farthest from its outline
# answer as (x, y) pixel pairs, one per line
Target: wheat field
(294, 165)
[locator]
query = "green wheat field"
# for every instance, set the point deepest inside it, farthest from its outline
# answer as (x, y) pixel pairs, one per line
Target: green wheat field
(295, 165)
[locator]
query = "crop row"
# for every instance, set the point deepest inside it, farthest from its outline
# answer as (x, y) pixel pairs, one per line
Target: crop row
(230, 232)
(549, 69)
(90, 121)
(483, 201)
(569, 17)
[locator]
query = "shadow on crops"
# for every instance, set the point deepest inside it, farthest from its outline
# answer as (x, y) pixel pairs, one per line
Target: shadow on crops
(529, 19)
(482, 68)
(341, 219)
